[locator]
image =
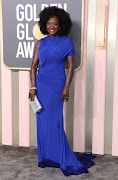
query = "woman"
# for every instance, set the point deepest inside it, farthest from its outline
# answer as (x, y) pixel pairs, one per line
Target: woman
(52, 88)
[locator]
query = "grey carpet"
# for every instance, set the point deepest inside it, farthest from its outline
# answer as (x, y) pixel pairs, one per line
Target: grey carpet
(20, 163)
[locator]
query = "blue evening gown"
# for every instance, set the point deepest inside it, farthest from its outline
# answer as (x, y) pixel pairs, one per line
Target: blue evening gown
(53, 149)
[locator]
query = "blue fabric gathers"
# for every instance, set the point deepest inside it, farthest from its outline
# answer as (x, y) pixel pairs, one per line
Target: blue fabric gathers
(53, 149)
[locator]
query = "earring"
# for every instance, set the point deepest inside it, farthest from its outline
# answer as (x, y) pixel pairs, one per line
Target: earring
(59, 27)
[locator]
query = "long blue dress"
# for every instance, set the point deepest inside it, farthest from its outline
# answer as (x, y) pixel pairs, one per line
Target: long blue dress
(53, 149)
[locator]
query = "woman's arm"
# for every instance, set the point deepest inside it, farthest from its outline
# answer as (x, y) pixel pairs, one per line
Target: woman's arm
(33, 71)
(70, 64)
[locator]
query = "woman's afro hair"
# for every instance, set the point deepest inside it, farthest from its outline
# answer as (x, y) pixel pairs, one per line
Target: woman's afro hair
(63, 16)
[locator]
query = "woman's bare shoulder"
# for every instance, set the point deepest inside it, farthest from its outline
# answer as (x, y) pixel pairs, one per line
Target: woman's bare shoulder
(37, 43)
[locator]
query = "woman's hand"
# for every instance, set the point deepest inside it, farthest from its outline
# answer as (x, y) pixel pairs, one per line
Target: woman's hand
(32, 93)
(65, 93)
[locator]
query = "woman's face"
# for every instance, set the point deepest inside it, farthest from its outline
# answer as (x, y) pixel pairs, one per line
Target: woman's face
(52, 26)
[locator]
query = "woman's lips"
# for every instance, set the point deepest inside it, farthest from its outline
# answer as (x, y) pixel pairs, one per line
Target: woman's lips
(52, 30)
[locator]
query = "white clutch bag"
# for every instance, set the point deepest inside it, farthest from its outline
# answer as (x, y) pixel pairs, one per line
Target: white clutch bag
(35, 105)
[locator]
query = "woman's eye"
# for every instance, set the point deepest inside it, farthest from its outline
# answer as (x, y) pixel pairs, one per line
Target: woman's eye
(49, 24)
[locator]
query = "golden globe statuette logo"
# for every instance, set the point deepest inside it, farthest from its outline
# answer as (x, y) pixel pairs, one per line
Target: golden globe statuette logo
(37, 33)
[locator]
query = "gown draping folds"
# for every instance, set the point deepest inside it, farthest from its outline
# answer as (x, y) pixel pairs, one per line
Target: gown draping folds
(53, 149)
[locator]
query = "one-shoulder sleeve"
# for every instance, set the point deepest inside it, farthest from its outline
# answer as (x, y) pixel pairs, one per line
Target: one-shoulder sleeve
(71, 48)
